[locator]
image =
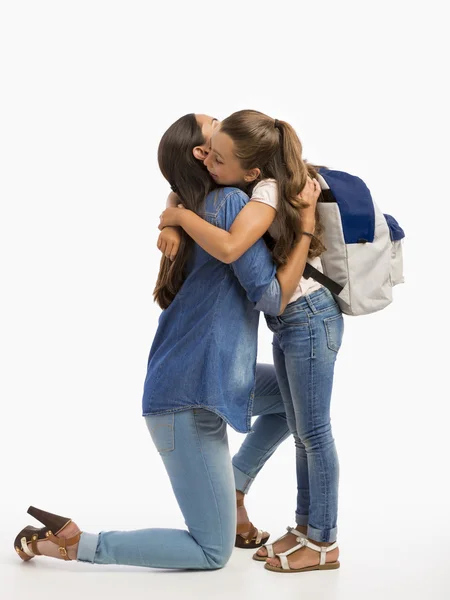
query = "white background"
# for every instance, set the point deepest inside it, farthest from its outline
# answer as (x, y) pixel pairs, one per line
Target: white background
(87, 90)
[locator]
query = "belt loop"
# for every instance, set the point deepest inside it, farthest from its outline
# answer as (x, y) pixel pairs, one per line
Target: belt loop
(310, 304)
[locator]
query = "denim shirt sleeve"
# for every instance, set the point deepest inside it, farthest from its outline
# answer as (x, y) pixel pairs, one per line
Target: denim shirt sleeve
(255, 269)
(271, 299)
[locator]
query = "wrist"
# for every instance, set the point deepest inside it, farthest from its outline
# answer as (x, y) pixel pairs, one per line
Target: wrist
(309, 225)
(183, 216)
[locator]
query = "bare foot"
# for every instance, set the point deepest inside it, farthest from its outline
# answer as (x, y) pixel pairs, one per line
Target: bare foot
(286, 543)
(305, 557)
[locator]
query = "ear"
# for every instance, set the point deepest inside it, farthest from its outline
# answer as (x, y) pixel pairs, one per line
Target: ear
(251, 175)
(199, 153)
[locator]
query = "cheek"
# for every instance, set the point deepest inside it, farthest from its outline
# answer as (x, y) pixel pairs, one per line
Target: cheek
(229, 174)
(224, 175)
(224, 171)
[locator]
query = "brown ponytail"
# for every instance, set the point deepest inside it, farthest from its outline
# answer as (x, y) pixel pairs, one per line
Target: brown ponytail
(274, 148)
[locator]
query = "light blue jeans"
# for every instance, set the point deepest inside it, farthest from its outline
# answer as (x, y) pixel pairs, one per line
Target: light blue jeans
(307, 338)
(193, 445)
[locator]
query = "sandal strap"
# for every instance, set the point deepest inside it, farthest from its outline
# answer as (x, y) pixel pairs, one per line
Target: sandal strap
(244, 527)
(300, 535)
(252, 532)
(283, 555)
(25, 547)
(259, 536)
(34, 546)
(305, 542)
(63, 543)
(269, 547)
(322, 549)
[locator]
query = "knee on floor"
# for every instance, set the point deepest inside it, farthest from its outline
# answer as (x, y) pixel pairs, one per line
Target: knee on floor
(218, 557)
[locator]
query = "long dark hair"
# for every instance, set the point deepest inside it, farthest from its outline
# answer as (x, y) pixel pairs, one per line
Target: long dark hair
(274, 148)
(190, 178)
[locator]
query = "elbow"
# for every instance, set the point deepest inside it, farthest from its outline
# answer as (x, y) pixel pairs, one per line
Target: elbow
(229, 255)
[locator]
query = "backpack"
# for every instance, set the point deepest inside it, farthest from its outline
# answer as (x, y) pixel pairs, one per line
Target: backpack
(363, 258)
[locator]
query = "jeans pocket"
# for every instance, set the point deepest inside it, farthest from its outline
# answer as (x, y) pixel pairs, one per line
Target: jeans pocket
(161, 428)
(334, 328)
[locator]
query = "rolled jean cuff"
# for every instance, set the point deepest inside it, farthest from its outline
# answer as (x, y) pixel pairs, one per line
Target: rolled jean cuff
(318, 535)
(301, 519)
(243, 482)
(87, 547)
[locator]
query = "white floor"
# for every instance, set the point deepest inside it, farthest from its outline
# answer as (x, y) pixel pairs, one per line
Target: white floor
(411, 562)
(379, 569)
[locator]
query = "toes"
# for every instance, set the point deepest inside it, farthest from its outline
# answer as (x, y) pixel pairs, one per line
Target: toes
(273, 562)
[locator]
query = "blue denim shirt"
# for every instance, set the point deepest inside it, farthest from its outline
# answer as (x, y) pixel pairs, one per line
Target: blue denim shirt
(204, 351)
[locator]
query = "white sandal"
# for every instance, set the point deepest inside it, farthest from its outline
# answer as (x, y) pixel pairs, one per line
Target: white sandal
(269, 547)
(304, 542)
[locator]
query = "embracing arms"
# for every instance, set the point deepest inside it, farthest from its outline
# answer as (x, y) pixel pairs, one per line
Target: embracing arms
(245, 228)
(227, 246)
(255, 268)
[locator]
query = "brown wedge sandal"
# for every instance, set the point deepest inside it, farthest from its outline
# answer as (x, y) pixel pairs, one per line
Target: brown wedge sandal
(32, 535)
(253, 539)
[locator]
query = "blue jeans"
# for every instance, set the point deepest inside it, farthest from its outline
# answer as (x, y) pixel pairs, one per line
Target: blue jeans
(193, 445)
(268, 431)
(307, 338)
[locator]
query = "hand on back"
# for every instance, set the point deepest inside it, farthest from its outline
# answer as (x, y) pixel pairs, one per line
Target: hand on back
(169, 242)
(310, 194)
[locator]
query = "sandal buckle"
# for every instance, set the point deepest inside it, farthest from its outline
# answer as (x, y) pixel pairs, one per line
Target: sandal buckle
(62, 551)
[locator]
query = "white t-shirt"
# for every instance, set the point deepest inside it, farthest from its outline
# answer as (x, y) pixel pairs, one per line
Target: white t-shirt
(266, 191)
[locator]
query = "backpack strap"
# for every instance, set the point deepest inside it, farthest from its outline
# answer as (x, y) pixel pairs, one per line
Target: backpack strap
(311, 271)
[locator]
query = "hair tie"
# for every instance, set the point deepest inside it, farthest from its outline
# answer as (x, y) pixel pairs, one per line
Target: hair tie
(277, 125)
(174, 188)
